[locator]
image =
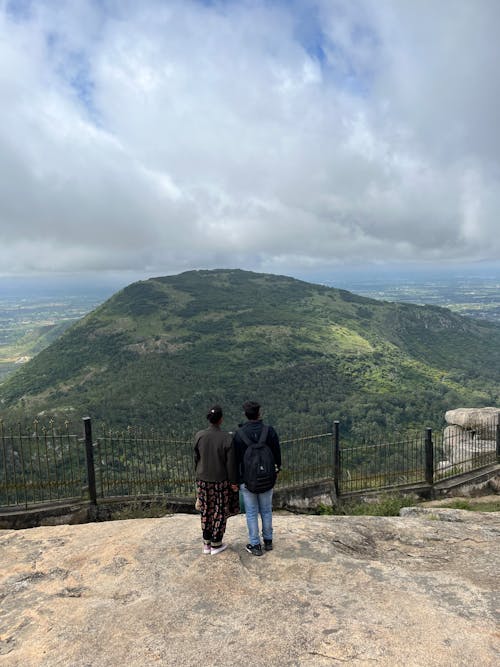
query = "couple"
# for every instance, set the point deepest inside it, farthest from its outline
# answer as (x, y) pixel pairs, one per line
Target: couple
(223, 464)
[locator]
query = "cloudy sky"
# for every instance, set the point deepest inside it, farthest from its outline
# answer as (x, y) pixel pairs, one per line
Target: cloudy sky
(278, 135)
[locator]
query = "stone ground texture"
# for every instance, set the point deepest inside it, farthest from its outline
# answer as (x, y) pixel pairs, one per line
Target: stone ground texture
(413, 590)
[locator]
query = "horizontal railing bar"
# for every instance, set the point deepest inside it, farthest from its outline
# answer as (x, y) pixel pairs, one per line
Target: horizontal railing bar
(306, 437)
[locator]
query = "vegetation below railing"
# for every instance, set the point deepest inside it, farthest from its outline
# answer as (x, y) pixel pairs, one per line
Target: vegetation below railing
(388, 506)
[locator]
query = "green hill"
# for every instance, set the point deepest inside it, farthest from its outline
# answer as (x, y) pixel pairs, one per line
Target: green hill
(161, 351)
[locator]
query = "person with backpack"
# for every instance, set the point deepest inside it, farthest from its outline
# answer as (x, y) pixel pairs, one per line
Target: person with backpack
(216, 481)
(258, 455)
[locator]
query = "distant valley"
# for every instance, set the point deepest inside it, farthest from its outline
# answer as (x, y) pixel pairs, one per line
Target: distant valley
(31, 320)
(476, 295)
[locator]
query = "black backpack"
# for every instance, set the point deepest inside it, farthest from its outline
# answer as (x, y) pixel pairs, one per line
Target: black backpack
(259, 472)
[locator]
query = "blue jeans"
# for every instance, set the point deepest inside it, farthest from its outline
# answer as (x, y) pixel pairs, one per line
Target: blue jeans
(255, 504)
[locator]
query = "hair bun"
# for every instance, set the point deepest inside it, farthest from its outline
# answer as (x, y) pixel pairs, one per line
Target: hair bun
(214, 414)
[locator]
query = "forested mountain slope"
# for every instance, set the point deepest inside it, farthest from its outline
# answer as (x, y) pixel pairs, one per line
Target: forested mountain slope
(161, 351)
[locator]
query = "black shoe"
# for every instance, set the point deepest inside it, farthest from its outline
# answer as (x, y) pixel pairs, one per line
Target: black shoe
(268, 545)
(254, 549)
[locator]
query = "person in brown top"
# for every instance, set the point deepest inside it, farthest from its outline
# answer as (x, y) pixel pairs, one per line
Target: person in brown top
(216, 481)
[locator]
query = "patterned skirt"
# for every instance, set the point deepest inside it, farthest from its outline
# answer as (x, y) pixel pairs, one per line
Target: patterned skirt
(217, 502)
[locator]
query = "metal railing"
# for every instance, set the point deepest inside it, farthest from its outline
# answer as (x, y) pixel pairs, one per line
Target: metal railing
(306, 458)
(48, 463)
(377, 465)
(44, 463)
(137, 462)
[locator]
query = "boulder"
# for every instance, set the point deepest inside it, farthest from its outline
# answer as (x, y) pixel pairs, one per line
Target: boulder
(454, 432)
(482, 420)
(458, 446)
(456, 437)
(471, 432)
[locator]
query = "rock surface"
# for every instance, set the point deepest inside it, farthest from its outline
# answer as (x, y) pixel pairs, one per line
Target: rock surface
(474, 418)
(390, 591)
(471, 433)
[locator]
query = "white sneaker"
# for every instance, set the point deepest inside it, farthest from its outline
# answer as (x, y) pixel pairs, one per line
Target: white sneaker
(217, 550)
(207, 549)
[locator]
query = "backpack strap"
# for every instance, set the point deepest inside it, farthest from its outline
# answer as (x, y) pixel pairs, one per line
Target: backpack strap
(263, 434)
(246, 439)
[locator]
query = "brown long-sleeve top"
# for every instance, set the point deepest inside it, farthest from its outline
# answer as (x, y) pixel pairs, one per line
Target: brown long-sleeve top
(214, 456)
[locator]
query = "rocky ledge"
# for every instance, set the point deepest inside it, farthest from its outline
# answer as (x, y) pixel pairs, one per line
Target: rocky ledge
(413, 590)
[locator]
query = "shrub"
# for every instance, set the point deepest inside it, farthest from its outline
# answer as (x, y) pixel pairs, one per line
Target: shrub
(386, 506)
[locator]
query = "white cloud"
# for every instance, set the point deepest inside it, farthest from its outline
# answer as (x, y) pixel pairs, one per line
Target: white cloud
(168, 135)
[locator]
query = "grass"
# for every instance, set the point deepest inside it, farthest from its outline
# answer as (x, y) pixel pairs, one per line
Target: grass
(387, 506)
(137, 509)
(393, 503)
(487, 506)
(346, 340)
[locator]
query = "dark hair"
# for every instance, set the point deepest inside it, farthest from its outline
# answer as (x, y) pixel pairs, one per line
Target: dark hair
(251, 409)
(214, 414)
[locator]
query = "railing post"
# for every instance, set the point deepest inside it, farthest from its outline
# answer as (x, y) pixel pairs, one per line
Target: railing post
(498, 443)
(89, 454)
(336, 458)
(429, 457)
